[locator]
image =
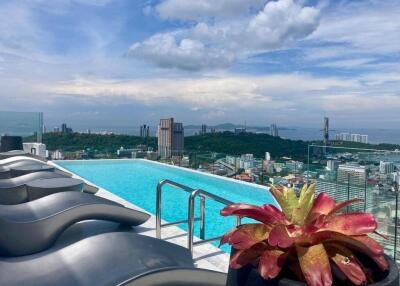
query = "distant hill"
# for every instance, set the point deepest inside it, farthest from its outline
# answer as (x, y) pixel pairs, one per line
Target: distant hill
(102, 143)
(257, 144)
(231, 127)
(220, 142)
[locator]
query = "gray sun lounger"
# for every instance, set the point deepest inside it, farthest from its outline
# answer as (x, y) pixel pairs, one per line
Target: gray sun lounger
(14, 153)
(6, 169)
(35, 226)
(13, 191)
(107, 259)
(178, 277)
(21, 160)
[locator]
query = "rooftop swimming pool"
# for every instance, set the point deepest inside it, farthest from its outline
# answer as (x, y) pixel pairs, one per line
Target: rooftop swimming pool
(136, 182)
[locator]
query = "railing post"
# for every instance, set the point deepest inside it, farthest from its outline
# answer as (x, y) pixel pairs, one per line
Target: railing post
(202, 217)
(396, 222)
(365, 194)
(158, 210)
(348, 191)
(191, 219)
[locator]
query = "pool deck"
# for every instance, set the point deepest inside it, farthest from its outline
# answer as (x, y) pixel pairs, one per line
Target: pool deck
(205, 255)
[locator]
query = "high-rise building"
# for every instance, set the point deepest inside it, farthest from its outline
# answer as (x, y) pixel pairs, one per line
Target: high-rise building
(65, 128)
(326, 131)
(56, 129)
(273, 130)
(386, 167)
(178, 139)
(246, 161)
(165, 134)
(346, 136)
(364, 139)
(203, 130)
(170, 138)
(267, 156)
(356, 137)
(332, 165)
(341, 191)
(352, 174)
(144, 131)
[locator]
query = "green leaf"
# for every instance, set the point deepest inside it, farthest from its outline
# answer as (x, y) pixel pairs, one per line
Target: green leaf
(305, 203)
(287, 199)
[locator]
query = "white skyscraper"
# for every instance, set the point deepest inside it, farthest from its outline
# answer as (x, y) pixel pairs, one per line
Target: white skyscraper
(364, 139)
(386, 167)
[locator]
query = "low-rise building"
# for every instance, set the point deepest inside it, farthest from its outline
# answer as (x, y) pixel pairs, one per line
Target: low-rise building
(38, 149)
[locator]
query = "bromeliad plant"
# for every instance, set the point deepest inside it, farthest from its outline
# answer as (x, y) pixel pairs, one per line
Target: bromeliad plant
(310, 236)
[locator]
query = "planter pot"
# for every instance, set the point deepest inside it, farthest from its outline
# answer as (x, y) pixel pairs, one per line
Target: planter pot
(248, 276)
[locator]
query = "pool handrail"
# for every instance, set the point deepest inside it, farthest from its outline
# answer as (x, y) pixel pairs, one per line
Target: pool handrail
(203, 196)
(191, 217)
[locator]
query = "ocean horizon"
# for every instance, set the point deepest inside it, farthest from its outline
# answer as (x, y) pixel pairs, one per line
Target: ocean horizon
(375, 136)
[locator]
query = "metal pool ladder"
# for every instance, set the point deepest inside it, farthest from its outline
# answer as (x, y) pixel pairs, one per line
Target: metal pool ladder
(203, 195)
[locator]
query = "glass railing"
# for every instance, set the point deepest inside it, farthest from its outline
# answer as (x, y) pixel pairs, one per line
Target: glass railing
(29, 125)
(368, 174)
(344, 173)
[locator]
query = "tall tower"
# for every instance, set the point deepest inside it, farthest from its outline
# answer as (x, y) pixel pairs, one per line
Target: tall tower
(274, 130)
(144, 131)
(170, 138)
(165, 134)
(326, 131)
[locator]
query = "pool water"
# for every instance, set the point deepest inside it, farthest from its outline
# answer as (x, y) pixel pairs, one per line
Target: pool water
(136, 182)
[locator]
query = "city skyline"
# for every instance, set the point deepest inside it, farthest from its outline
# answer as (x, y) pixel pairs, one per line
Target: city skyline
(100, 61)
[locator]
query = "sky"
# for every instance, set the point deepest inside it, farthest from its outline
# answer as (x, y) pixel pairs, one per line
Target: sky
(129, 62)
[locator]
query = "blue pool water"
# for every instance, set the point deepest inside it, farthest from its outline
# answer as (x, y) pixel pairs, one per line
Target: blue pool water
(136, 181)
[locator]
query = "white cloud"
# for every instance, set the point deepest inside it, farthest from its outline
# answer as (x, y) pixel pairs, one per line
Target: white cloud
(280, 22)
(189, 54)
(347, 63)
(365, 26)
(200, 9)
(94, 2)
(227, 92)
(218, 44)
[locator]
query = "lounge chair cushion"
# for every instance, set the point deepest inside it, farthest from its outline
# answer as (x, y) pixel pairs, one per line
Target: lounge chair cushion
(13, 153)
(41, 188)
(101, 260)
(31, 168)
(178, 277)
(13, 190)
(34, 226)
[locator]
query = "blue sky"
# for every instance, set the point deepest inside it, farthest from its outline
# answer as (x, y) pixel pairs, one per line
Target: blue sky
(124, 62)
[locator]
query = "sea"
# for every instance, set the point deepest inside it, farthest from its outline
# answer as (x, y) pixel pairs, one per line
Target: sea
(375, 136)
